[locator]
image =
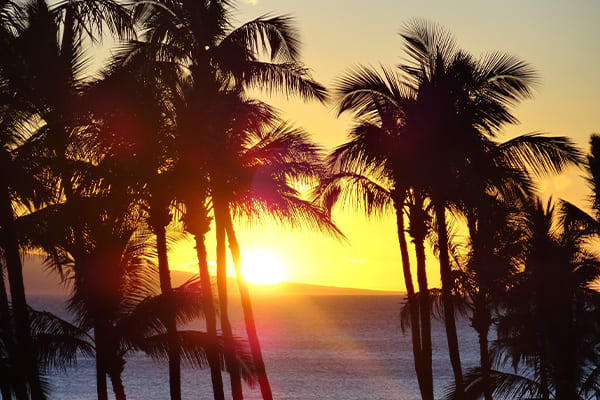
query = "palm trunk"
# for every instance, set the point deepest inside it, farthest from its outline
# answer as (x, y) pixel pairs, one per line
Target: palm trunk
(484, 357)
(101, 387)
(425, 316)
(28, 364)
(171, 324)
(410, 292)
(482, 320)
(447, 286)
(117, 384)
(16, 380)
(7, 337)
(220, 210)
(209, 312)
(544, 385)
(263, 380)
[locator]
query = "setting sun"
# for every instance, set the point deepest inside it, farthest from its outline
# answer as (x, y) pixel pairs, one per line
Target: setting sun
(262, 267)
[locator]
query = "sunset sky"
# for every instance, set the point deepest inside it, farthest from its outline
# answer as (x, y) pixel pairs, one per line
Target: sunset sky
(560, 39)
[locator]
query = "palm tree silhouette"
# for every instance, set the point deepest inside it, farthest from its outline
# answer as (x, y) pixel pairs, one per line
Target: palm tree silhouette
(44, 79)
(369, 171)
(471, 100)
(140, 127)
(261, 156)
(260, 53)
(544, 328)
(257, 158)
(394, 135)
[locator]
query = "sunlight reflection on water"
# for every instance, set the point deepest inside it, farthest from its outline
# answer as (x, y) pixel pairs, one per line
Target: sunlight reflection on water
(315, 347)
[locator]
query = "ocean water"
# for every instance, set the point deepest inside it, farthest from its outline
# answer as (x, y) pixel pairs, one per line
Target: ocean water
(315, 347)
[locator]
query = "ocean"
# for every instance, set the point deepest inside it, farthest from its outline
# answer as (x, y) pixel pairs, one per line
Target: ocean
(315, 347)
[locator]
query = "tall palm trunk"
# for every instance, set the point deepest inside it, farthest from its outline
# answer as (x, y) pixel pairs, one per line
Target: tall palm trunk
(199, 230)
(220, 210)
(410, 292)
(447, 286)
(263, 380)
(27, 360)
(425, 318)
(171, 324)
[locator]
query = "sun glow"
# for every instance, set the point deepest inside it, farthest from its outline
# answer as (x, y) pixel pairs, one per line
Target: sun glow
(262, 267)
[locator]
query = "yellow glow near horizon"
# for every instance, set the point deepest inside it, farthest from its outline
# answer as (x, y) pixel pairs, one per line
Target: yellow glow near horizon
(262, 267)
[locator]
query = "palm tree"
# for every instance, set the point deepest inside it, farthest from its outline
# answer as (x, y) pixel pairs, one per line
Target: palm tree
(470, 99)
(39, 79)
(56, 344)
(260, 53)
(396, 133)
(371, 171)
(492, 259)
(25, 188)
(262, 158)
(140, 321)
(133, 105)
(547, 327)
(375, 198)
(258, 158)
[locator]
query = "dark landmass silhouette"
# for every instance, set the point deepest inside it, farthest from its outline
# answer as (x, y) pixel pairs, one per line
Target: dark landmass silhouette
(40, 280)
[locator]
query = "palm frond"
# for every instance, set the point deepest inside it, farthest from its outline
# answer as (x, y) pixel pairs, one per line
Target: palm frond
(505, 386)
(541, 154)
(195, 344)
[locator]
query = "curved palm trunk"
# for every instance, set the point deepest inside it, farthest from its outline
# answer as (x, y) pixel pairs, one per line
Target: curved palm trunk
(425, 319)
(447, 286)
(171, 324)
(209, 311)
(220, 210)
(27, 361)
(263, 380)
(410, 292)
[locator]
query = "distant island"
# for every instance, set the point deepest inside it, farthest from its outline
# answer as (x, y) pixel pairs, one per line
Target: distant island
(48, 283)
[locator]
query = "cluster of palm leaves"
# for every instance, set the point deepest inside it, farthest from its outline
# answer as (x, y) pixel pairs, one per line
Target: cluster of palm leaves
(424, 147)
(96, 167)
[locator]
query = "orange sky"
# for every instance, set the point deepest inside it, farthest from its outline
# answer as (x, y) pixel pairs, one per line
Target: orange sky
(560, 39)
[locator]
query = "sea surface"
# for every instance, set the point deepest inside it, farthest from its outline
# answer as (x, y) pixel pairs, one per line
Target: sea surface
(315, 347)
